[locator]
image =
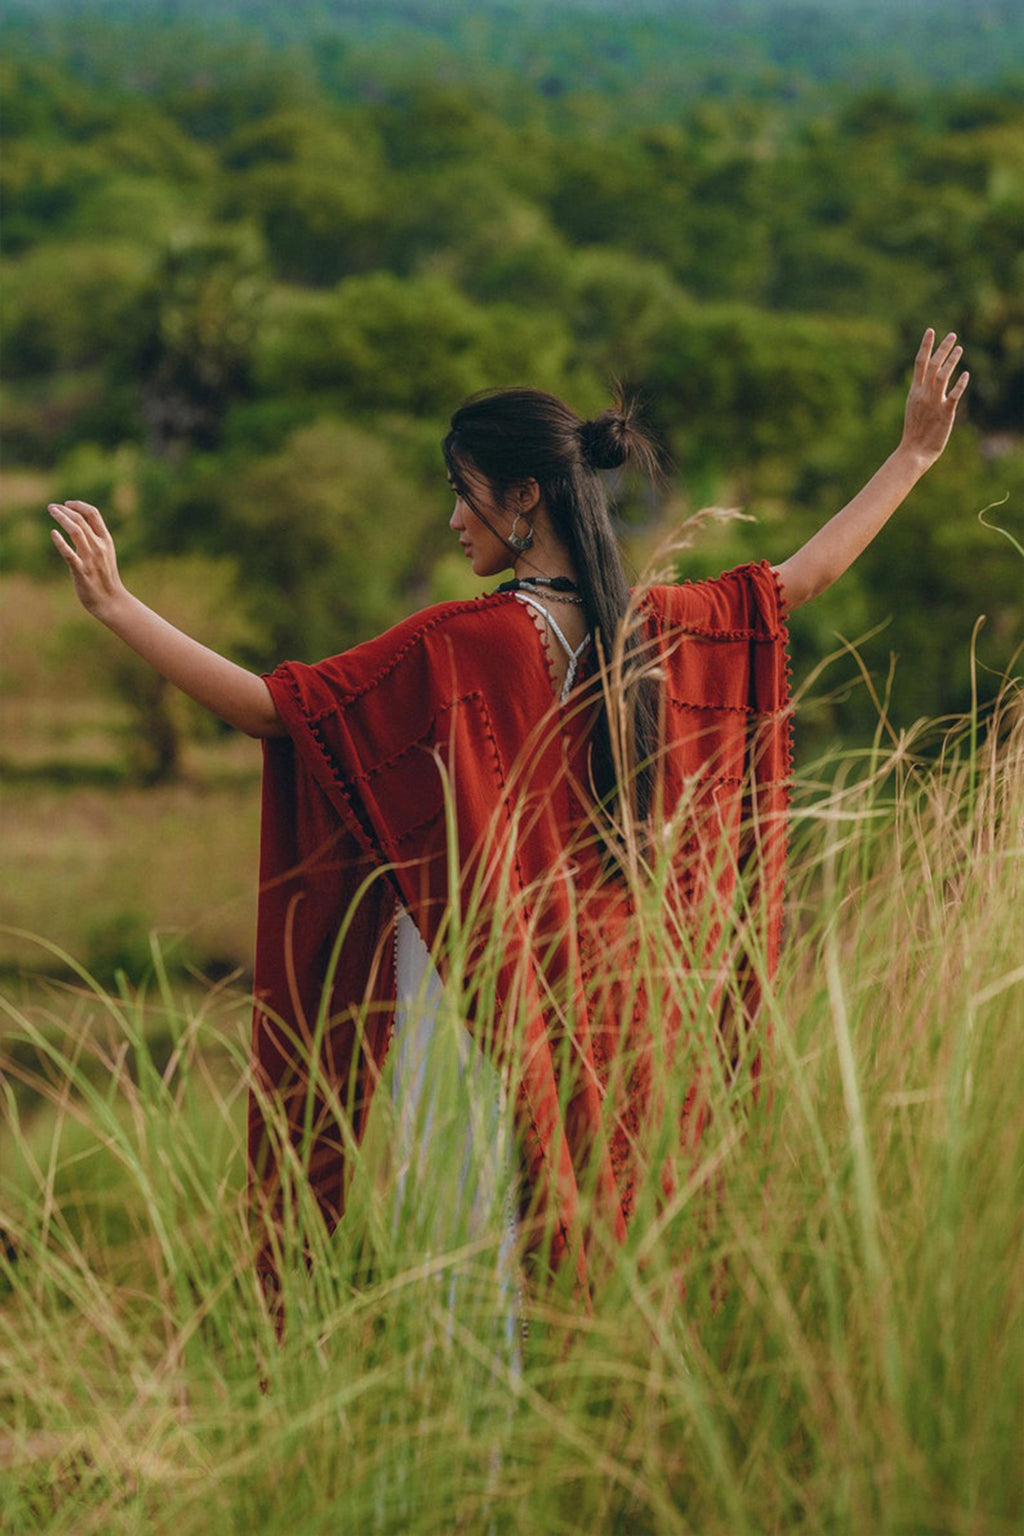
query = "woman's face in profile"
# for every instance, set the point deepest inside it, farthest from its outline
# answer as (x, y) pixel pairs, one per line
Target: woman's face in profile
(481, 523)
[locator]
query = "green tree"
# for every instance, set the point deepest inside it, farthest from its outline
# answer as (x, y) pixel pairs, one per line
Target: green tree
(314, 189)
(734, 384)
(63, 304)
(190, 337)
(200, 595)
(381, 343)
(330, 535)
(618, 307)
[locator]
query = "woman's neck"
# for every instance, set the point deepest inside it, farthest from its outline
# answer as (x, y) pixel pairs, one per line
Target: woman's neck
(548, 558)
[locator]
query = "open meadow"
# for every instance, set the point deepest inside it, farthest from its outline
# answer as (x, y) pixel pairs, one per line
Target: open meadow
(820, 1331)
(92, 859)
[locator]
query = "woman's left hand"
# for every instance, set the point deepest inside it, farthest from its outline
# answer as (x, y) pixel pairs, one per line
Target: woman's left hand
(927, 423)
(933, 398)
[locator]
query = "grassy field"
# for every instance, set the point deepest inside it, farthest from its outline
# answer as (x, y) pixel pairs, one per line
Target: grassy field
(91, 860)
(821, 1333)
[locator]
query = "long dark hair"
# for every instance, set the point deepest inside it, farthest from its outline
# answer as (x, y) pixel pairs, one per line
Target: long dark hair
(511, 435)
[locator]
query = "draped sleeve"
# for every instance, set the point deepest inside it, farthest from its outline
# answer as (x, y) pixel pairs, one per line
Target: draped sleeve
(726, 751)
(348, 789)
(393, 748)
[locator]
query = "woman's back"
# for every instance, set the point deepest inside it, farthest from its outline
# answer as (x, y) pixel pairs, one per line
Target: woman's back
(439, 750)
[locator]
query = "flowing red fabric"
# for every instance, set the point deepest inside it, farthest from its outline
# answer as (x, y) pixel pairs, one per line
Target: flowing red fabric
(444, 730)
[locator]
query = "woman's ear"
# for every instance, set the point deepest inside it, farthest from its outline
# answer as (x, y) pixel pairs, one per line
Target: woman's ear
(526, 497)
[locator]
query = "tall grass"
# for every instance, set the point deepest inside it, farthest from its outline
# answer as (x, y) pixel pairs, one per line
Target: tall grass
(820, 1329)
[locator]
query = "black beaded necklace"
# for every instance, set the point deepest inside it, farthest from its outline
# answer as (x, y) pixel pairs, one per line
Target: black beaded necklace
(525, 583)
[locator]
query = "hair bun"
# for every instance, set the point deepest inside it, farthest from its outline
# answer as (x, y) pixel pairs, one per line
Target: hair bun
(605, 441)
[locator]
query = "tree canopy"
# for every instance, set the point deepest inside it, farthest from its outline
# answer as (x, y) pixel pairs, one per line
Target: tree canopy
(244, 300)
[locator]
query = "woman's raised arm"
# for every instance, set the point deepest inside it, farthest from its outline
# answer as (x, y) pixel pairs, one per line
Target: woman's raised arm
(928, 421)
(236, 695)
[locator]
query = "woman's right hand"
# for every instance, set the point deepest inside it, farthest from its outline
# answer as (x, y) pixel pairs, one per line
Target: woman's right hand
(241, 698)
(89, 556)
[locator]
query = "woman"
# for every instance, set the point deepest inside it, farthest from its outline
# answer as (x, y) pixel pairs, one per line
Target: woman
(519, 759)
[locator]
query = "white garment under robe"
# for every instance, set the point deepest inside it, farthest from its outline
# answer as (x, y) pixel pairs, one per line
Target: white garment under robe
(441, 1081)
(434, 1054)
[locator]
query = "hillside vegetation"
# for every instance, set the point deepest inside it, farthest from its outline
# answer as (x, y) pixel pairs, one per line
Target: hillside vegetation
(242, 296)
(239, 311)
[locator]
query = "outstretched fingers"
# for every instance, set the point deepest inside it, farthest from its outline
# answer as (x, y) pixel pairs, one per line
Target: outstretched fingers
(90, 513)
(87, 549)
(934, 395)
(947, 364)
(946, 347)
(64, 549)
(81, 520)
(924, 353)
(934, 366)
(73, 525)
(961, 384)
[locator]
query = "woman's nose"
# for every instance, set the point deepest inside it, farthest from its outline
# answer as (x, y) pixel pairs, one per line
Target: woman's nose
(456, 521)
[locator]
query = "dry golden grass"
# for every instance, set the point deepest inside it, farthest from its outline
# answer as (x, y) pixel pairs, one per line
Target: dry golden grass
(85, 855)
(77, 863)
(844, 1352)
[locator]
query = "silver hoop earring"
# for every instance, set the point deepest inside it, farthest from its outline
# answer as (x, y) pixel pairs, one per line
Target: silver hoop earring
(521, 541)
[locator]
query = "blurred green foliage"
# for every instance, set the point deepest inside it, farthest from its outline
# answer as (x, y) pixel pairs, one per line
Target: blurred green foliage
(241, 301)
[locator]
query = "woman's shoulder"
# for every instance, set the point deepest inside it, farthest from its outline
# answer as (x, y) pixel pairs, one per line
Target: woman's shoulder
(465, 609)
(414, 638)
(415, 668)
(460, 618)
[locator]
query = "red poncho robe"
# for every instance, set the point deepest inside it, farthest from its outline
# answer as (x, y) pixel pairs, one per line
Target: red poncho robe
(444, 729)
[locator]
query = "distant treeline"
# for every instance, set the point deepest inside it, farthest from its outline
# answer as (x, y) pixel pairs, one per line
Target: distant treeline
(239, 308)
(646, 56)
